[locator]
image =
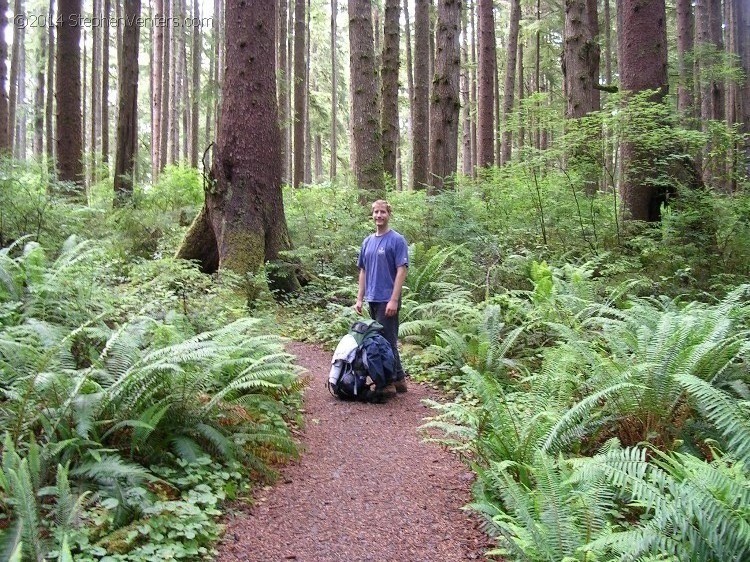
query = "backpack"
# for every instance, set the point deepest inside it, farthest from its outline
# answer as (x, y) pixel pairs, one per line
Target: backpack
(362, 365)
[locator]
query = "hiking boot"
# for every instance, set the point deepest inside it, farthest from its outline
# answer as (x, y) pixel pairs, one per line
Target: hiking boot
(400, 386)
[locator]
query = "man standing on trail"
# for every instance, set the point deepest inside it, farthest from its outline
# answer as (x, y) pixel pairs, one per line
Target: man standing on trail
(383, 262)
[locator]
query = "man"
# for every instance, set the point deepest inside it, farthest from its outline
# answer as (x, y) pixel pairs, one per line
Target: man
(383, 263)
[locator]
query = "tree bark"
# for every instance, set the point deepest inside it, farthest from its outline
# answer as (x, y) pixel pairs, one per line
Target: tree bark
(96, 108)
(368, 156)
(242, 224)
(299, 92)
(165, 117)
(421, 101)
(743, 94)
(410, 88)
(69, 132)
(445, 101)
(5, 146)
(473, 92)
(510, 81)
(127, 114)
(389, 80)
(643, 65)
(14, 81)
(308, 87)
(486, 81)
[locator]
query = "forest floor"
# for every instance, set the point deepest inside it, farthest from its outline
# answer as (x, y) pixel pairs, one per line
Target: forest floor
(365, 488)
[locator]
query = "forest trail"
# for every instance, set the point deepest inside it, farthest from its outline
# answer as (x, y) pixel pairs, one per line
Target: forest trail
(366, 488)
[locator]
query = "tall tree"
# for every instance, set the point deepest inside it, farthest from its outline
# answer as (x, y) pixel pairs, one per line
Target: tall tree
(105, 85)
(39, 94)
(445, 100)
(510, 80)
(389, 79)
(68, 122)
(96, 108)
(242, 223)
(743, 95)
(4, 138)
(684, 55)
(50, 101)
(299, 92)
(164, 115)
(486, 82)
(15, 60)
(334, 89)
(466, 156)
(409, 85)
(127, 114)
(642, 39)
(421, 101)
(283, 84)
(196, 86)
(367, 149)
(157, 48)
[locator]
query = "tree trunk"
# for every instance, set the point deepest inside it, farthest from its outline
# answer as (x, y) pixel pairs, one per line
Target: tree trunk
(410, 88)
(473, 93)
(510, 80)
(466, 155)
(743, 93)
(607, 43)
(185, 107)
(39, 95)
(157, 48)
(21, 136)
(96, 108)
(684, 54)
(643, 65)
(318, 159)
(486, 79)
(242, 223)
(50, 103)
(13, 87)
(334, 90)
(196, 59)
(164, 117)
(283, 84)
(299, 92)
(368, 156)
(445, 102)
(389, 79)
(127, 114)
(105, 87)
(521, 95)
(5, 146)
(69, 132)
(421, 101)
(308, 87)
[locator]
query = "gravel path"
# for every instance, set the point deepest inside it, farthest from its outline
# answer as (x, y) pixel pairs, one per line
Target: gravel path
(365, 488)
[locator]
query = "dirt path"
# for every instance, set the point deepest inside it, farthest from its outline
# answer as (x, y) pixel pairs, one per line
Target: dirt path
(365, 489)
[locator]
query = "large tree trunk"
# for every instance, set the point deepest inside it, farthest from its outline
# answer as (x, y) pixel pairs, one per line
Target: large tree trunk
(299, 92)
(580, 66)
(421, 101)
(445, 101)
(127, 114)
(4, 137)
(96, 108)
(409, 85)
(486, 93)
(473, 92)
(368, 155)
(164, 115)
(242, 223)
(389, 79)
(308, 88)
(743, 94)
(69, 131)
(643, 66)
(334, 90)
(510, 80)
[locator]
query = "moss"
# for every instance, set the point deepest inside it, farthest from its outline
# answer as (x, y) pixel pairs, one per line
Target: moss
(243, 251)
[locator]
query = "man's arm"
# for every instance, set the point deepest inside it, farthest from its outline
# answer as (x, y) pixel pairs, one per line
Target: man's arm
(360, 291)
(392, 307)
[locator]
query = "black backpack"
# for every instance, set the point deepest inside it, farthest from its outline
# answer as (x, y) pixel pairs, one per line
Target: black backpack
(350, 380)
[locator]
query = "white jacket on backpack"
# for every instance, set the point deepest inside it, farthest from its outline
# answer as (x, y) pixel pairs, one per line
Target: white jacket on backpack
(344, 353)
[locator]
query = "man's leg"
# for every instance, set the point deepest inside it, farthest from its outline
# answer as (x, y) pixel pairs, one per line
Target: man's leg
(390, 333)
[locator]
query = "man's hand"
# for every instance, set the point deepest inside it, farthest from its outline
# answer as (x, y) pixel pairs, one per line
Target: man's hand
(391, 308)
(358, 306)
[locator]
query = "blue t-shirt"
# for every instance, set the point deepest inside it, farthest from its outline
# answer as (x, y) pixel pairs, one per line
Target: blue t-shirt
(380, 257)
